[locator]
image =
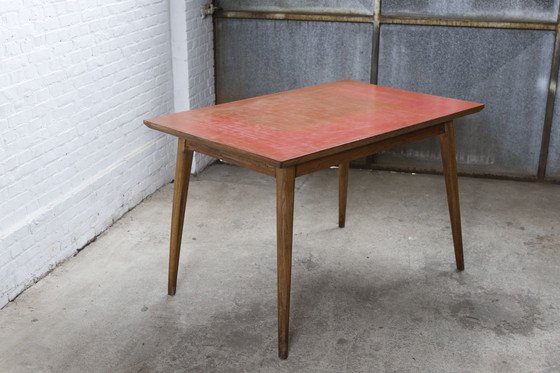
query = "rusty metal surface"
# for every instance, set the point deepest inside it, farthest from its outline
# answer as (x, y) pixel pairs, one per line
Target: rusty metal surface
(512, 81)
(350, 7)
(550, 26)
(294, 16)
(553, 166)
(258, 57)
(553, 169)
(551, 108)
(374, 53)
(514, 10)
(381, 19)
(375, 42)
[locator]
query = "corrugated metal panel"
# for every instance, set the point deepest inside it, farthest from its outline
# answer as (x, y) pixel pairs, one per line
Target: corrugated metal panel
(363, 7)
(508, 70)
(519, 10)
(258, 57)
(553, 167)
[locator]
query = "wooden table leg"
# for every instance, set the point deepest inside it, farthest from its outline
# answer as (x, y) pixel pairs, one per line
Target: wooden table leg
(342, 192)
(447, 144)
(180, 191)
(285, 182)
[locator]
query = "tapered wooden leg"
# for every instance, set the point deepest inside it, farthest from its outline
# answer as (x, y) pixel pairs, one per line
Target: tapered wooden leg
(285, 181)
(447, 144)
(342, 192)
(182, 176)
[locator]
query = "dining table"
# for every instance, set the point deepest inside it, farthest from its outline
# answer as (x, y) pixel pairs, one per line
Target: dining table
(296, 132)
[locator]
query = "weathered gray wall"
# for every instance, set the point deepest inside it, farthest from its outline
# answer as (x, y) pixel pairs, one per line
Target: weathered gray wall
(258, 57)
(518, 10)
(508, 68)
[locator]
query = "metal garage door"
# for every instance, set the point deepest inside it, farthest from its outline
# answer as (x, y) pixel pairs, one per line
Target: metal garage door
(497, 52)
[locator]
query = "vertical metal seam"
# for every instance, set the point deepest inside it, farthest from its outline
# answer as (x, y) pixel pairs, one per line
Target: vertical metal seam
(375, 42)
(215, 47)
(374, 71)
(550, 101)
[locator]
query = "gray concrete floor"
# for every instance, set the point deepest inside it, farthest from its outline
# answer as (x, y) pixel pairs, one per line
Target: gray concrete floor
(380, 295)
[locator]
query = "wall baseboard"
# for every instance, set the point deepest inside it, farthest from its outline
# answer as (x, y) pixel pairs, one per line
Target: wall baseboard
(56, 232)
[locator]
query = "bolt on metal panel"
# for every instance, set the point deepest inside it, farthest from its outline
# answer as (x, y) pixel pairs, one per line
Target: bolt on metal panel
(508, 70)
(258, 57)
(518, 10)
(362, 7)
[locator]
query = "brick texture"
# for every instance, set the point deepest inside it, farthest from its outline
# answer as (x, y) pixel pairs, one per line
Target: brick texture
(76, 79)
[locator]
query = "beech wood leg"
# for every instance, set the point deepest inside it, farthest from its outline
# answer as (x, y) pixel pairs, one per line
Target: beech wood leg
(180, 190)
(447, 144)
(285, 182)
(342, 192)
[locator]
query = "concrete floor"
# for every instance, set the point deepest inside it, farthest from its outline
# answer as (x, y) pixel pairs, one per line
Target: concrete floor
(380, 295)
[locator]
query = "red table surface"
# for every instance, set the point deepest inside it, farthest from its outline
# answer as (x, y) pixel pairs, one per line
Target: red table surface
(292, 124)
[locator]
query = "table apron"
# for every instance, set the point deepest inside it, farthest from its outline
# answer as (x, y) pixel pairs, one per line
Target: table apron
(233, 157)
(368, 149)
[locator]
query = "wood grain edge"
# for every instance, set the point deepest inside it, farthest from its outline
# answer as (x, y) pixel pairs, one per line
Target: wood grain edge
(367, 149)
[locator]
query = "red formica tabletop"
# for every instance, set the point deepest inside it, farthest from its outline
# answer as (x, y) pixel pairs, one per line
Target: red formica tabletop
(288, 125)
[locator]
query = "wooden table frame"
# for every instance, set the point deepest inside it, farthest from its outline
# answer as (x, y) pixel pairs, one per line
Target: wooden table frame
(285, 175)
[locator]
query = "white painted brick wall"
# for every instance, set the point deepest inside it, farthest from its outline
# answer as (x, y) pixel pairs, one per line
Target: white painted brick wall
(76, 79)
